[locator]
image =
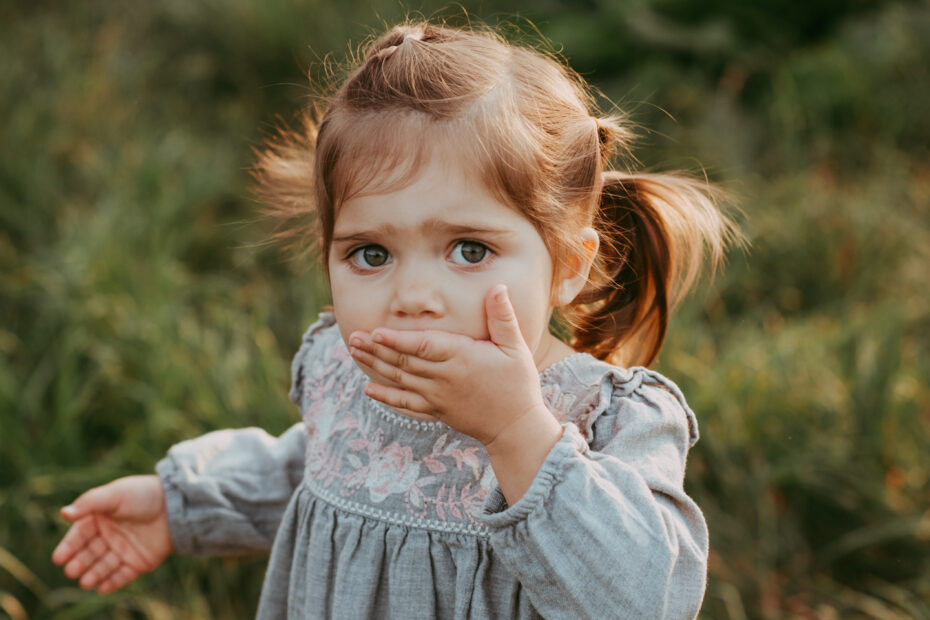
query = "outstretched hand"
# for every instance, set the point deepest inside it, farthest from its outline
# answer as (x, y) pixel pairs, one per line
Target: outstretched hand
(478, 387)
(119, 531)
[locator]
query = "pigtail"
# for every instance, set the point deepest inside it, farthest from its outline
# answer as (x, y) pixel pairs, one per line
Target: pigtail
(655, 230)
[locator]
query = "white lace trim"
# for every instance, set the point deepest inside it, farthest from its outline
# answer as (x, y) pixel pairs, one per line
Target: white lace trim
(388, 516)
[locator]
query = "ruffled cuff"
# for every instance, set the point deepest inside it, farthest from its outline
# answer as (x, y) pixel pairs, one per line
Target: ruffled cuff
(496, 513)
(181, 533)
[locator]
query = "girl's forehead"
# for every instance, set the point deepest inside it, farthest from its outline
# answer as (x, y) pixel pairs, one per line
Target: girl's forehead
(383, 152)
(391, 170)
(437, 174)
(439, 189)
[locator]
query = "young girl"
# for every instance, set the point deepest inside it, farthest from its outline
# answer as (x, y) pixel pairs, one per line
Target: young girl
(455, 458)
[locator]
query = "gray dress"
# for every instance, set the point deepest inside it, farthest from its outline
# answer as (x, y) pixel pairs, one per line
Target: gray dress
(371, 514)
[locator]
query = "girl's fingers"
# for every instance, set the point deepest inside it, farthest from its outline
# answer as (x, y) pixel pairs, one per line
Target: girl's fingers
(84, 559)
(371, 373)
(78, 536)
(120, 577)
(430, 345)
(393, 374)
(398, 398)
(405, 361)
(63, 551)
(502, 320)
(103, 568)
(412, 363)
(103, 499)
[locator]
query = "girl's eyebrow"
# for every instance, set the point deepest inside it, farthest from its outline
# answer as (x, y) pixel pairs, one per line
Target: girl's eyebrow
(431, 226)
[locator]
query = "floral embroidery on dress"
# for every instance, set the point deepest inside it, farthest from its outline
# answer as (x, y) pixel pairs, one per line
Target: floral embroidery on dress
(348, 454)
(567, 407)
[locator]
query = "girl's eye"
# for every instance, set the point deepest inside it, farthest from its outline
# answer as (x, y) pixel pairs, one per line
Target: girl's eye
(370, 256)
(469, 252)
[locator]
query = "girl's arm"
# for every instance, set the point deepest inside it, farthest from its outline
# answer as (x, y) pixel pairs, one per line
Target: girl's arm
(606, 529)
(226, 492)
(221, 493)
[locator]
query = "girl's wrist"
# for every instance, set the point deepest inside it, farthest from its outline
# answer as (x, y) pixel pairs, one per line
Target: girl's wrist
(518, 452)
(533, 427)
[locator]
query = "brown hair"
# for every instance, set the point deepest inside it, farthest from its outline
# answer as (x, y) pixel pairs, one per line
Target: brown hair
(526, 121)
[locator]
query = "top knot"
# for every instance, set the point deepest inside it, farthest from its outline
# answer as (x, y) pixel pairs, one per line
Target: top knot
(389, 43)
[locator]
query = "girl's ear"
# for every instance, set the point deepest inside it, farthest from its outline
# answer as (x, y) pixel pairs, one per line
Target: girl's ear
(575, 270)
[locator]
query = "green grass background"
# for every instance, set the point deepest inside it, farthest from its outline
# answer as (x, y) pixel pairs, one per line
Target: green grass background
(139, 305)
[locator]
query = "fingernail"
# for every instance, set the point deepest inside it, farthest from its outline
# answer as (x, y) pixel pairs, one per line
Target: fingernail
(501, 295)
(377, 337)
(355, 342)
(69, 510)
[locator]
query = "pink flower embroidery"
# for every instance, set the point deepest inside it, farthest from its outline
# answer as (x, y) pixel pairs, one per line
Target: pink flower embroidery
(391, 470)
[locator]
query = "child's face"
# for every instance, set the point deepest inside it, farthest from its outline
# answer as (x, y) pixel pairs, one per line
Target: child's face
(424, 256)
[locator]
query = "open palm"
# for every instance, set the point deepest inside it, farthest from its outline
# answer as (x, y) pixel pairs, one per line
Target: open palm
(119, 531)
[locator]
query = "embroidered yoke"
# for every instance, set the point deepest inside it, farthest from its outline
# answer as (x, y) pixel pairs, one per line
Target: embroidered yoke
(372, 514)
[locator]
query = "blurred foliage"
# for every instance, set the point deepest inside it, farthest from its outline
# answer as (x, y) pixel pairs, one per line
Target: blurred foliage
(139, 304)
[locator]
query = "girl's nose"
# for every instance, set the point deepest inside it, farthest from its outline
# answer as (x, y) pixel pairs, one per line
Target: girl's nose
(416, 300)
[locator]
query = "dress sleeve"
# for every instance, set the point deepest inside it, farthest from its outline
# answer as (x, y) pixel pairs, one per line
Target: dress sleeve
(226, 491)
(606, 529)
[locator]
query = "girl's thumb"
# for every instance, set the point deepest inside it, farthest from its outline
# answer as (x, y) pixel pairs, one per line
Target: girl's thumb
(502, 320)
(103, 499)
